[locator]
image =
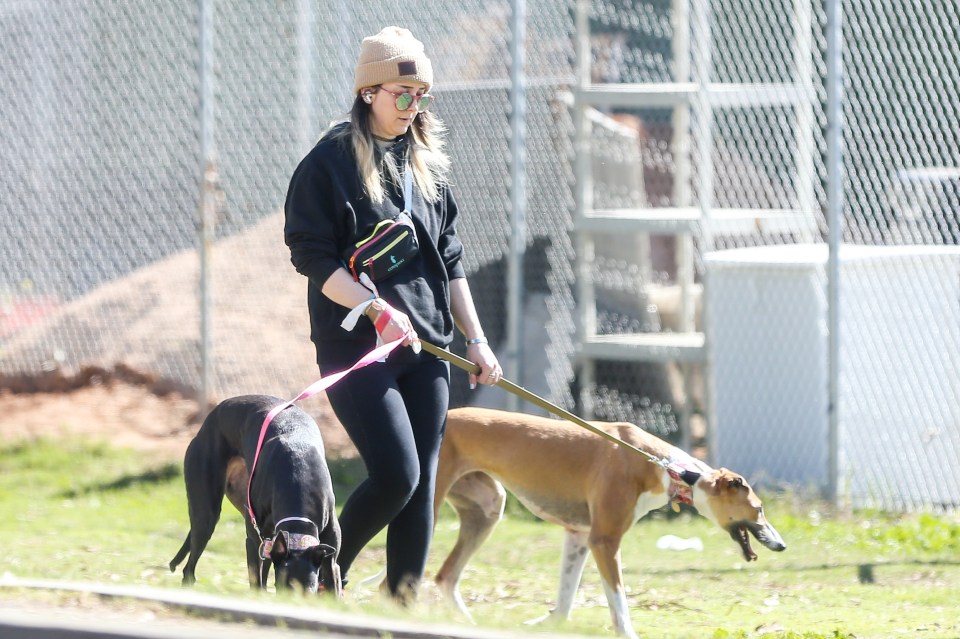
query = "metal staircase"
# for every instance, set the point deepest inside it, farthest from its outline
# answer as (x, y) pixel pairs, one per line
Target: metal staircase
(692, 99)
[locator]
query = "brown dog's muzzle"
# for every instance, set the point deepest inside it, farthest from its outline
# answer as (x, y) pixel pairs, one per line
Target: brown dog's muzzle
(764, 533)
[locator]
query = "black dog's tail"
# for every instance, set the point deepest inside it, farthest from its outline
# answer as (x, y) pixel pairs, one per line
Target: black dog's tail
(184, 549)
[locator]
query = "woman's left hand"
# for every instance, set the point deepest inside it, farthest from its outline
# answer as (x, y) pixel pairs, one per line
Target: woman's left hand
(490, 370)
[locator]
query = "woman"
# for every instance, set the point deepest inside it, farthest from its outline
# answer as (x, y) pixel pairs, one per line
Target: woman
(394, 411)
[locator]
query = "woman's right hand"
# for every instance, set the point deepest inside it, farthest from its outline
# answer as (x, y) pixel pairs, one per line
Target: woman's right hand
(392, 324)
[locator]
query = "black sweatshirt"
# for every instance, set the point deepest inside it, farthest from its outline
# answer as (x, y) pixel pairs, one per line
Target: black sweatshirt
(327, 210)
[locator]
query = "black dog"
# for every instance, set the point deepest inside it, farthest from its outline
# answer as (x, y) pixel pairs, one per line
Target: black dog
(291, 495)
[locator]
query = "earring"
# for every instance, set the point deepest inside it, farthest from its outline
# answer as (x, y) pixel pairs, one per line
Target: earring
(368, 97)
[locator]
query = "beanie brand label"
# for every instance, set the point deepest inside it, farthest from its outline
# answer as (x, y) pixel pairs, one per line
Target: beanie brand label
(407, 67)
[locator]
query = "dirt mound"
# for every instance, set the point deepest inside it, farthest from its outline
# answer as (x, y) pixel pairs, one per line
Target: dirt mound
(123, 361)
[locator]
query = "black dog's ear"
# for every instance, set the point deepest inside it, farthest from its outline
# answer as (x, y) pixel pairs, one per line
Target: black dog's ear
(330, 580)
(279, 551)
(319, 554)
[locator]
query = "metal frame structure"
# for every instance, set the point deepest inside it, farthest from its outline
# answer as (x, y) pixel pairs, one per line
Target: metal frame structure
(694, 97)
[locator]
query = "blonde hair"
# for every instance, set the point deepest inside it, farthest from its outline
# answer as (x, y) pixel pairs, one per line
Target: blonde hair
(428, 159)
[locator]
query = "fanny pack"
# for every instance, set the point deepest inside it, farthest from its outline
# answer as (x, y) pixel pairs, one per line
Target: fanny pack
(391, 245)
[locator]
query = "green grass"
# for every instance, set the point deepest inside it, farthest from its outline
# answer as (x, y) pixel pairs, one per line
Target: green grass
(88, 512)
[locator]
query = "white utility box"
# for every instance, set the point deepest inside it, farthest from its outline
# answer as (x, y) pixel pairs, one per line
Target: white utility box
(899, 370)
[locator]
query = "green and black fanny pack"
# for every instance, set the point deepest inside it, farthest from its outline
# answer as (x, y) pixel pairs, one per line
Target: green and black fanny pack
(391, 245)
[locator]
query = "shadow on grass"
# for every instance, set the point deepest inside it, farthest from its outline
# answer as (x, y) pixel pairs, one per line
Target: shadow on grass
(159, 475)
(858, 569)
(345, 473)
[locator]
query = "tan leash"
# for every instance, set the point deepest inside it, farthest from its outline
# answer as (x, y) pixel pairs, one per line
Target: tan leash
(689, 476)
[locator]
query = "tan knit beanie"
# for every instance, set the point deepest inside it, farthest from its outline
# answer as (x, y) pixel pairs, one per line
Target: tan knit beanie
(391, 56)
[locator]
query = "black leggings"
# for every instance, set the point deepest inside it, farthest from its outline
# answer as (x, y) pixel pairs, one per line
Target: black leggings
(395, 414)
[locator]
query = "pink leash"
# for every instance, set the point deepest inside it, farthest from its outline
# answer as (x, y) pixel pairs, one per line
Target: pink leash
(318, 386)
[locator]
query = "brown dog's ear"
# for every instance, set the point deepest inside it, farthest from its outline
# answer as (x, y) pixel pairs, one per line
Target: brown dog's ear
(731, 480)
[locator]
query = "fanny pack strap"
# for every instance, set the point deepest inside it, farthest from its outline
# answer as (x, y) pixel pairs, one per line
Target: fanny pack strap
(407, 188)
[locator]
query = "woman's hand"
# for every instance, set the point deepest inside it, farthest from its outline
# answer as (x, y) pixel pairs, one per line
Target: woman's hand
(478, 351)
(392, 324)
(482, 355)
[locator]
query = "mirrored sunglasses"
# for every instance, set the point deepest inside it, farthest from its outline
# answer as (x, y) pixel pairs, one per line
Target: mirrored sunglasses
(404, 100)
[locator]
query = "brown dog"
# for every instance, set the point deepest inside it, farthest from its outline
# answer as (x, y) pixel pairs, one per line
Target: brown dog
(595, 489)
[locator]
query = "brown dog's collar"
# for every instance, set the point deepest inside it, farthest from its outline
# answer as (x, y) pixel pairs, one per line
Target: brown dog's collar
(680, 492)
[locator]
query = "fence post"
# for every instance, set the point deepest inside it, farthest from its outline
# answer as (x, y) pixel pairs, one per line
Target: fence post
(518, 195)
(835, 234)
(208, 182)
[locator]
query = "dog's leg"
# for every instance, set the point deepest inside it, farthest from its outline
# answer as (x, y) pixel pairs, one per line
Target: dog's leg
(236, 484)
(235, 487)
(571, 570)
(479, 501)
(605, 546)
(257, 570)
(574, 558)
(203, 476)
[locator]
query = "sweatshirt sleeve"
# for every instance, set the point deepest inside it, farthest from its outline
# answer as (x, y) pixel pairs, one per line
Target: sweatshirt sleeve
(312, 224)
(451, 249)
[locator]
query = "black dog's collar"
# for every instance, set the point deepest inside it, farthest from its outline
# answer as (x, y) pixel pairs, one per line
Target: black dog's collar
(294, 541)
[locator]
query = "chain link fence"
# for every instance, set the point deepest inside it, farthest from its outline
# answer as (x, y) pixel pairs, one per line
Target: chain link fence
(897, 420)
(101, 194)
